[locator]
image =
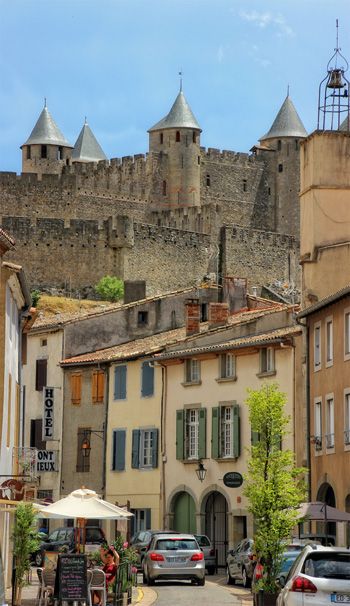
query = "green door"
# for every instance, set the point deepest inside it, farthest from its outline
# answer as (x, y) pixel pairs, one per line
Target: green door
(184, 513)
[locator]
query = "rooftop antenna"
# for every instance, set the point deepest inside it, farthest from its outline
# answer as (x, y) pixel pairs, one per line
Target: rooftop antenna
(333, 95)
(181, 74)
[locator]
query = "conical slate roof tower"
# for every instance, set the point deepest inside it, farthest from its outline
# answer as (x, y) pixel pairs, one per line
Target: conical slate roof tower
(180, 116)
(87, 148)
(286, 124)
(46, 132)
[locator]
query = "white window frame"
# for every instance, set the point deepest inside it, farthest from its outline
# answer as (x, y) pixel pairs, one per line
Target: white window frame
(146, 448)
(317, 347)
(192, 371)
(227, 366)
(347, 333)
(347, 418)
(329, 341)
(226, 432)
(330, 430)
(318, 424)
(192, 433)
(267, 365)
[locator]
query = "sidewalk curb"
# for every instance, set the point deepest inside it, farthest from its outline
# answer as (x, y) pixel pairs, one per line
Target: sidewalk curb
(140, 595)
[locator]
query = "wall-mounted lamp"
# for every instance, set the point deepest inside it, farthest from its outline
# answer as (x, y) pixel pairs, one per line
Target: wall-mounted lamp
(201, 471)
(85, 445)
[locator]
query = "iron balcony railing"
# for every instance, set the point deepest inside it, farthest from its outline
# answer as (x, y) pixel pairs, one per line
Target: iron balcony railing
(329, 440)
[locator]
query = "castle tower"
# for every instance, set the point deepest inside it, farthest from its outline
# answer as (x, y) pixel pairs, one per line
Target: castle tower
(46, 150)
(280, 147)
(176, 138)
(87, 148)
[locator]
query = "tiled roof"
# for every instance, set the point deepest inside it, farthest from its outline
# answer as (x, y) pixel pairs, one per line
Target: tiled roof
(333, 298)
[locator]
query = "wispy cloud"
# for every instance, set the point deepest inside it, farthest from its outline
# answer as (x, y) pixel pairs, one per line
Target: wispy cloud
(256, 54)
(268, 19)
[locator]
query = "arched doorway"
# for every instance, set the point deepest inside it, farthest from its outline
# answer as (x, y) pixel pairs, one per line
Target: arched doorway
(326, 495)
(347, 509)
(184, 513)
(216, 524)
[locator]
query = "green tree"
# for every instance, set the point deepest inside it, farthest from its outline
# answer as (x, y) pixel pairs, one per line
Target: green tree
(35, 294)
(274, 486)
(26, 540)
(110, 288)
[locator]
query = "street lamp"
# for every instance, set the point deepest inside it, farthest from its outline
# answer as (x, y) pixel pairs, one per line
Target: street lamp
(85, 445)
(201, 471)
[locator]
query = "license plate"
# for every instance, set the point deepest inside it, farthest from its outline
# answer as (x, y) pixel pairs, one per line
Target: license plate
(340, 598)
(176, 559)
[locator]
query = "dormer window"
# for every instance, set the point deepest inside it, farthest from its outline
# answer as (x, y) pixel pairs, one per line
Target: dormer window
(161, 138)
(44, 151)
(177, 136)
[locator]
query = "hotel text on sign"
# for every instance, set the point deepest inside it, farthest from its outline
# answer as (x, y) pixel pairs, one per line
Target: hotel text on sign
(48, 424)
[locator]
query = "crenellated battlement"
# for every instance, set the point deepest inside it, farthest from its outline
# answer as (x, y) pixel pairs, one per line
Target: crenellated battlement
(213, 154)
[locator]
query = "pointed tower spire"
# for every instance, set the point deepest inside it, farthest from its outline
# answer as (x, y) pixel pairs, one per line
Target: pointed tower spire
(46, 131)
(87, 148)
(180, 116)
(287, 123)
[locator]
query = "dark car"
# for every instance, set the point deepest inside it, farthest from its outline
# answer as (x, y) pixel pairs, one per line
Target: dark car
(141, 540)
(64, 540)
(289, 557)
(240, 563)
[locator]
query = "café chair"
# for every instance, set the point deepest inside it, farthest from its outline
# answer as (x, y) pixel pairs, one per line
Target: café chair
(97, 585)
(47, 587)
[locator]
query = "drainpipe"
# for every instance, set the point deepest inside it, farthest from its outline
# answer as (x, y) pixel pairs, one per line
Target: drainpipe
(163, 436)
(307, 396)
(105, 427)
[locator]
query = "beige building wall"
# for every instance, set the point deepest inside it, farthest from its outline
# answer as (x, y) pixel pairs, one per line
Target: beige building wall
(141, 487)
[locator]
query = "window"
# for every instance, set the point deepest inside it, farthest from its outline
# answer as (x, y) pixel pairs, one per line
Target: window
(347, 418)
(44, 151)
(318, 425)
(177, 138)
(225, 441)
(142, 318)
(147, 379)
(347, 333)
(141, 520)
(227, 366)
(83, 455)
(164, 188)
(208, 181)
(161, 138)
(279, 144)
(244, 184)
(194, 138)
(98, 386)
(120, 383)
(280, 168)
(118, 449)
(28, 152)
(191, 433)
(41, 374)
(204, 312)
(317, 346)
(267, 360)
(43, 342)
(199, 160)
(329, 341)
(296, 144)
(60, 153)
(192, 371)
(330, 422)
(144, 449)
(75, 387)
(36, 434)
(173, 319)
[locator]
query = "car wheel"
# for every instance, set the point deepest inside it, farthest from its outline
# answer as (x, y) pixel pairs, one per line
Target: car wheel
(230, 580)
(150, 582)
(211, 570)
(201, 582)
(38, 559)
(245, 579)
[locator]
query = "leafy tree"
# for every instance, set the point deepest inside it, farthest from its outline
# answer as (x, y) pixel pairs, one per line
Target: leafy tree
(273, 485)
(35, 294)
(26, 540)
(110, 288)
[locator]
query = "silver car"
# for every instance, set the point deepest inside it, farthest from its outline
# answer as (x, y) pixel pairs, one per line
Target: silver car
(176, 556)
(209, 552)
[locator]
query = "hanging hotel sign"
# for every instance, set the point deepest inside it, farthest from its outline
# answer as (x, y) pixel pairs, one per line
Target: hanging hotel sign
(233, 479)
(46, 461)
(48, 424)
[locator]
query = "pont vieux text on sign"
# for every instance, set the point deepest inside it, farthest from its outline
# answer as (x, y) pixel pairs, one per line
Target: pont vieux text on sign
(48, 418)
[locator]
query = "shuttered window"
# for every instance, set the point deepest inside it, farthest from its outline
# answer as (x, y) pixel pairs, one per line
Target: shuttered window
(41, 375)
(191, 433)
(118, 450)
(36, 434)
(98, 385)
(225, 438)
(147, 380)
(120, 382)
(144, 448)
(75, 385)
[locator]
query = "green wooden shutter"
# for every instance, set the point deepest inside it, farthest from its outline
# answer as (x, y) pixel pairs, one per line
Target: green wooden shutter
(135, 458)
(215, 425)
(202, 439)
(155, 448)
(180, 445)
(236, 433)
(118, 454)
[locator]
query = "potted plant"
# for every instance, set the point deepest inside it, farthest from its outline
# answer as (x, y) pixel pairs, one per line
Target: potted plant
(274, 486)
(26, 540)
(125, 575)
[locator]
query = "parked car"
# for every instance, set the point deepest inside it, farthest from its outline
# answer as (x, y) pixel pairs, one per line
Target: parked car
(64, 540)
(141, 541)
(289, 557)
(240, 563)
(209, 552)
(174, 556)
(320, 575)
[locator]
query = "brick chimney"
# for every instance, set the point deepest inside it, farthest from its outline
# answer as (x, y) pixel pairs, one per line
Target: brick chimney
(192, 316)
(218, 314)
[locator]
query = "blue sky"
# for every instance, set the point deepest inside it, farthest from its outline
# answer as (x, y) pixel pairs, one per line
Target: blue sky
(117, 62)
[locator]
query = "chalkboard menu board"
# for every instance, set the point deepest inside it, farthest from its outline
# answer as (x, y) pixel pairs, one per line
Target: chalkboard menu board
(71, 578)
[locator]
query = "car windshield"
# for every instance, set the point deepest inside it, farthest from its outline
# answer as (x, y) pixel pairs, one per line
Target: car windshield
(94, 534)
(174, 544)
(328, 565)
(288, 559)
(203, 541)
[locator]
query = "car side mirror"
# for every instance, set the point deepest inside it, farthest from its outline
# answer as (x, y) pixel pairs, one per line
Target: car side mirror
(281, 581)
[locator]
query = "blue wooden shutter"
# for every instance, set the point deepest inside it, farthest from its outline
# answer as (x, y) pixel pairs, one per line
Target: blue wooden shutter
(120, 383)
(155, 448)
(147, 380)
(135, 454)
(180, 446)
(148, 519)
(236, 433)
(118, 454)
(215, 427)
(202, 440)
